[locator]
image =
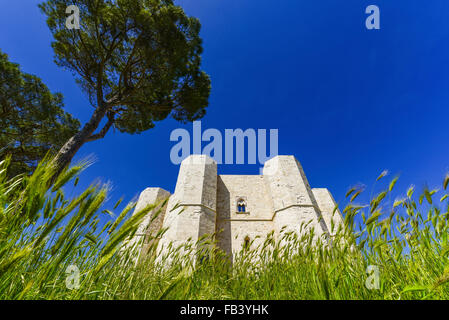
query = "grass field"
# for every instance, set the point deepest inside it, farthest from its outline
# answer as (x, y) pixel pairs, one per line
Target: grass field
(43, 235)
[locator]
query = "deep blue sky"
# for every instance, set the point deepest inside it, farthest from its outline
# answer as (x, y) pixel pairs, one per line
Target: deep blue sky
(348, 102)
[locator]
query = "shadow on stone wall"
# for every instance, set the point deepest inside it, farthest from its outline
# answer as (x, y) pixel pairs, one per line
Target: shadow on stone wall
(223, 226)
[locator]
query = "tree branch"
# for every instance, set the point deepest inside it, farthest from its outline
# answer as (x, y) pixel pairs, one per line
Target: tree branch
(123, 74)
(103, 131)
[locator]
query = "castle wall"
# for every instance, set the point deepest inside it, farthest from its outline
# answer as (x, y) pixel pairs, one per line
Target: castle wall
(294, 202)
(255, 223)
(151, 224)
(327, 204)
(191, 210)
(280, 200)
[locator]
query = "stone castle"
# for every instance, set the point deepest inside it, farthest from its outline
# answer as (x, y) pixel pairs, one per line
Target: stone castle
(239, 209)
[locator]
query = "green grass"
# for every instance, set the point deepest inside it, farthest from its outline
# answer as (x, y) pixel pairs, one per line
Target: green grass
(42, 233)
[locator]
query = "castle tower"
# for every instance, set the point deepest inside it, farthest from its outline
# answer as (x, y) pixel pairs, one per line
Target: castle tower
(293, 199)
(332, 216)
(191, 210)
(145, 235)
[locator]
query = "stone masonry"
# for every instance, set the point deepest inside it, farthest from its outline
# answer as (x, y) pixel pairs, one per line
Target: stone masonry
(239, 209)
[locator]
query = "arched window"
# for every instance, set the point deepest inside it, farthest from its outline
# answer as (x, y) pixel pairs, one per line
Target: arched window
(241, 205)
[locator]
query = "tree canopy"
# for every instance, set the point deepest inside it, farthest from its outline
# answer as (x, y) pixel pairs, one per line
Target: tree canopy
(137, 60)
(32, 119)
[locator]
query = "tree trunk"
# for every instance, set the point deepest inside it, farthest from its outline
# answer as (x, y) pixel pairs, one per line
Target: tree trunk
(71, 147)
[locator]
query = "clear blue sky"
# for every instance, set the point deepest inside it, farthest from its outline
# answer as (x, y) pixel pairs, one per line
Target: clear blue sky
(348, 102)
